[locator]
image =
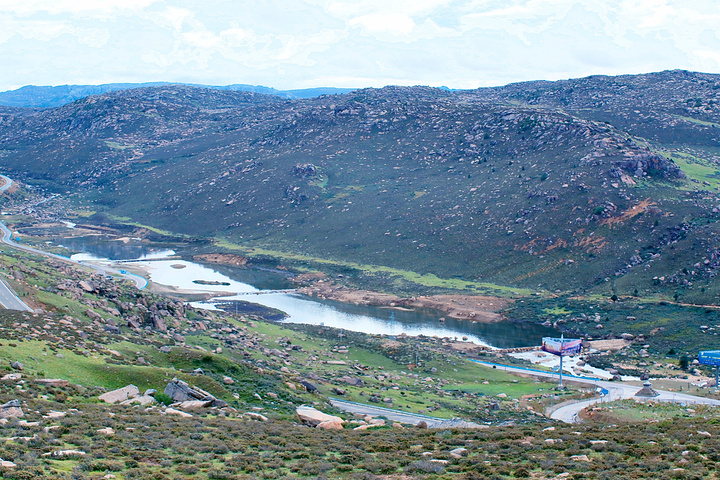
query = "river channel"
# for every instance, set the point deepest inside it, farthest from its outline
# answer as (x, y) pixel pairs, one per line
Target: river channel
(247, 284)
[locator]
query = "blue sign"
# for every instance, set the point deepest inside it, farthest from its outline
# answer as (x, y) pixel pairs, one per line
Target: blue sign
(710, 357)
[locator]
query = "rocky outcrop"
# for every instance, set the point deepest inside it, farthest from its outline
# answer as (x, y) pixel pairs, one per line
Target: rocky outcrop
(643, 164)
(180, 391)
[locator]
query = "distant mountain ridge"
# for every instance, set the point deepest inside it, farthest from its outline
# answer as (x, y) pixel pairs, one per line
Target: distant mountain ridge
(31, 96)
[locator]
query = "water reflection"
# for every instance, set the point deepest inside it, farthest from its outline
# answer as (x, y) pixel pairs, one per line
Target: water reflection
(100, 248)
(379, 320)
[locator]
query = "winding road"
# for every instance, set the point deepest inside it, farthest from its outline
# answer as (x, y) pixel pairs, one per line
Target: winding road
(615, 391)
(6, 238)
(7, 184)
(8, 298)
(394, 415)
(139, 281)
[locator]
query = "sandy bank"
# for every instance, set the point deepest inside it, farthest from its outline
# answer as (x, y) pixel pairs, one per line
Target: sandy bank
(466, 307)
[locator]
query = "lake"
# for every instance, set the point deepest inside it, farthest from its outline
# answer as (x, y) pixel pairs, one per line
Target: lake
(247, 285)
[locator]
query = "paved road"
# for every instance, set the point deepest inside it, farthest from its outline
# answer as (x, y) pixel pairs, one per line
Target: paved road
(10, 300)
(139, 281)
(6, 185)
(390, 414)
(615, 391)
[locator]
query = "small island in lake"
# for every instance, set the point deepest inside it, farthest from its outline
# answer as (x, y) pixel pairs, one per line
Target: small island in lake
(211, 282)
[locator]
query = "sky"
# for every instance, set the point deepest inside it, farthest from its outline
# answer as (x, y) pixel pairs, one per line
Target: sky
(290, 44)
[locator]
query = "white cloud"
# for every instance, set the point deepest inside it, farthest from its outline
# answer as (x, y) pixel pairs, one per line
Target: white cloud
(393, 23)
(290, 43)
(57, 7)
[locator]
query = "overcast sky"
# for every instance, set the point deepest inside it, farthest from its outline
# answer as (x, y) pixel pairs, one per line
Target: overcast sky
(350, 43)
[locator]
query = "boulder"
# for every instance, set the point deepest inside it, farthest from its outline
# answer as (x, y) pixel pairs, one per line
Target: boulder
(172, 411)
(121, 394)
(459, 452)
(12, 376)
(52, 382)
(53, 414)
(330, 425)
(180, 391)
(352, 381)
(312, 417)
(194, 404)
(87, 286)
(93, 315)
(256, 416)
(309, 386)
(140, 400)
(11, 409)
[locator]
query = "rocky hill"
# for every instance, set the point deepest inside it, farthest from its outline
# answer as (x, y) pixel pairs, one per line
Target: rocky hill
(603, 184)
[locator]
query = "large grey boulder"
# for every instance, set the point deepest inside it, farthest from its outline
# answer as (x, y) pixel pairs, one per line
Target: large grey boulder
(180, 391)
(121, 394)
(11, 409)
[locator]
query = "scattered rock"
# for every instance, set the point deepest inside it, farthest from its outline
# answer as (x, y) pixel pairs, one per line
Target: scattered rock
(459, 452)
(65, 453)
(52, 414)
(256, 416)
